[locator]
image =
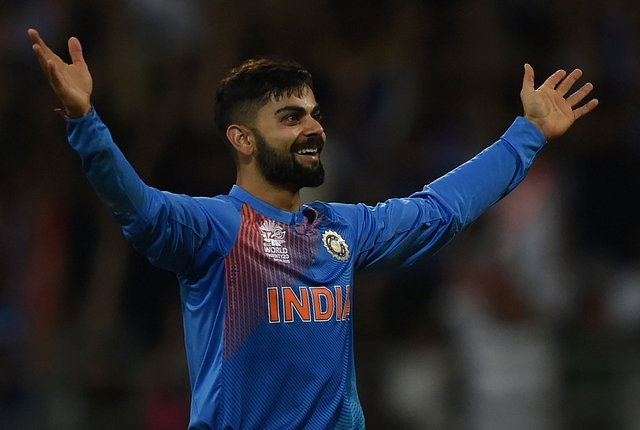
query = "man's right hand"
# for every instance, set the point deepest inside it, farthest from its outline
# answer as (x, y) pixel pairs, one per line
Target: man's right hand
(72, 83)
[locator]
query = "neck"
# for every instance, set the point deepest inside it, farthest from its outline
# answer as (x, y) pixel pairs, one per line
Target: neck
(271, 194)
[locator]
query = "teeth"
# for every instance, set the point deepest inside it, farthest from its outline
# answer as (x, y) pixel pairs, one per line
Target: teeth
(308, 151)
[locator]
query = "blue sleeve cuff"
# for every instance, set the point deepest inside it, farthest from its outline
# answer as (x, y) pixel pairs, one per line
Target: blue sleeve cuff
(528, 136)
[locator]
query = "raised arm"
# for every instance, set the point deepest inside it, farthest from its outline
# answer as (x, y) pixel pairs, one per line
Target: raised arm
(478, 184)
(399, 231)
(167, 228)
(72, 82)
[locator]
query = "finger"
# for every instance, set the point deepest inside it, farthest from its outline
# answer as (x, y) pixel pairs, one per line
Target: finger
(55, 78)
(34, 36)
(528, 79)
(585, 109)
(566, 84)
(579, 95)
(37, 40)
(75, 50)
(554, 79)
(42, 51)
(42, 58)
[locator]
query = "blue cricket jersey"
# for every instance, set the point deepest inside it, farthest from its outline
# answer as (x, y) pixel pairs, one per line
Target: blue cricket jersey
(266, 294)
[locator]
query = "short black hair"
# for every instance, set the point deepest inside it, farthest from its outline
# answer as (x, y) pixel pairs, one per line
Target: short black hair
(251, 85)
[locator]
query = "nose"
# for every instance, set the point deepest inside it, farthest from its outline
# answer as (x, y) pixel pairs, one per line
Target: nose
(313, 126)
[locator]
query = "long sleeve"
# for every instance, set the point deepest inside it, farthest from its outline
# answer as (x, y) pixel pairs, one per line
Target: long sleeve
(167, 228)
(114, 179)
(399, 231)
(475, 186)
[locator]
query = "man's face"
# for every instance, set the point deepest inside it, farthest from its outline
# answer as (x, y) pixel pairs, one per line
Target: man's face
(289, 141)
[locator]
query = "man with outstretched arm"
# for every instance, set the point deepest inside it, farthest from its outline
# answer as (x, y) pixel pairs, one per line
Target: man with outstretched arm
(266, 283)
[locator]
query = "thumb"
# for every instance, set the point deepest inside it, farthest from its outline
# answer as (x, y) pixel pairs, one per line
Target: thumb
(75, 50)
(528, 79)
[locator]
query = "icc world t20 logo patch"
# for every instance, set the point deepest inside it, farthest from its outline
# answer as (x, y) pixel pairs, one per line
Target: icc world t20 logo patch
(336, 245)
(274, 243)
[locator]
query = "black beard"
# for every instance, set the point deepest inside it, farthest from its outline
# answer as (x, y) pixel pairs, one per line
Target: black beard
(283, 170)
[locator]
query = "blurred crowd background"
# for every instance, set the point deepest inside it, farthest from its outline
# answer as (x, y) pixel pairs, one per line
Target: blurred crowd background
(529, 320)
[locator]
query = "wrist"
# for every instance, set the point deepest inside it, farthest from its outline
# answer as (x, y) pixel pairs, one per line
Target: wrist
(74, 114)
(78, 111)
(538, 123)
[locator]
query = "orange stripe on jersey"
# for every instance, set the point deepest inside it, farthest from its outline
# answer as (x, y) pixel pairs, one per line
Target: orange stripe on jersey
(266, 254)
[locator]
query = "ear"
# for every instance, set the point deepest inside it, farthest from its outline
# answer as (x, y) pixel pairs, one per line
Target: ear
(241, 138)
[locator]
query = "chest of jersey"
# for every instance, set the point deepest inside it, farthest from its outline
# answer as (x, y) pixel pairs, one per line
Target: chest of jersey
(279, 274)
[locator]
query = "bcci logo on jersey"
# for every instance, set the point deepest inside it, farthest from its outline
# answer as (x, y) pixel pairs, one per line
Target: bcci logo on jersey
(335, 244)
(274, 241)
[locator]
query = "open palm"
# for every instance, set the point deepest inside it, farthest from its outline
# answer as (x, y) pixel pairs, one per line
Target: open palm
(72, 83)
(547, 106)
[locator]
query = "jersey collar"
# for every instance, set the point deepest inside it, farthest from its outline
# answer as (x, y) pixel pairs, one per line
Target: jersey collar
(265, 208)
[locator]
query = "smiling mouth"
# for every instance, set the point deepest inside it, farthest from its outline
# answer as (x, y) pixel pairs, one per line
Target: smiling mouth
(308, 152)
(310, 149)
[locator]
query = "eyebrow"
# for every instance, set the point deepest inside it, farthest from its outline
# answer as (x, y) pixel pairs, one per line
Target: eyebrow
(297, 109)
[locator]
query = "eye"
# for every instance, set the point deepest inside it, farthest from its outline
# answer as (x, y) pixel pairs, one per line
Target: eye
(291, 118)
(317, 116)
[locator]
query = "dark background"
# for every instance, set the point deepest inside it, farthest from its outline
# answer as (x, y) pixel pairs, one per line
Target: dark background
(90, 332)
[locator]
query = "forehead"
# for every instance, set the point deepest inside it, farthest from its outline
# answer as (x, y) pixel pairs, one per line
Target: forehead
(305, 99)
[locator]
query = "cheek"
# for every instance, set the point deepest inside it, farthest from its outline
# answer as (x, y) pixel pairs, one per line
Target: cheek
(278, 136)
(283, 142)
